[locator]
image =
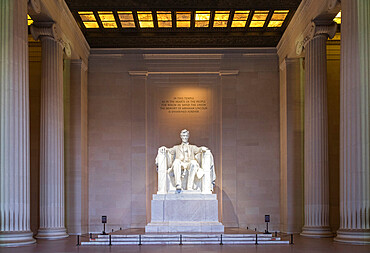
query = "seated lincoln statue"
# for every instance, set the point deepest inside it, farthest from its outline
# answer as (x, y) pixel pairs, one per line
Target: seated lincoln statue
(185, 167)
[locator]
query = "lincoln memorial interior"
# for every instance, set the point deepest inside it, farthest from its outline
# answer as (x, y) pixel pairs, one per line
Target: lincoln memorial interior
(274, 95)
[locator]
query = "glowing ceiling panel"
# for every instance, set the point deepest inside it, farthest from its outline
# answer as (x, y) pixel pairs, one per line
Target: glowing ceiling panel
(107, 19)
(145, 19)
(259, 19)
(164, 19)
(221, 18)
(202, 18)
(88, 19)
(338, 18)
(29, 20)
(240, 18)
(183, 19)
(126, 18)
(278, 18)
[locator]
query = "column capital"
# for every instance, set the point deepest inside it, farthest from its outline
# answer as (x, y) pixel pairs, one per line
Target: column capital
(34, 6)
(317, 28)
(314, 29)
(51, 30)
(45, 29)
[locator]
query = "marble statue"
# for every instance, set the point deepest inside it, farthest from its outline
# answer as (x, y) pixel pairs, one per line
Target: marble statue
(185, 167)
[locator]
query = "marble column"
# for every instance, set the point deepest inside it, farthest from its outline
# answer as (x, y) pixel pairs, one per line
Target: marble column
(354, 123)
(14, 122)
(316, 170)
(52, 225)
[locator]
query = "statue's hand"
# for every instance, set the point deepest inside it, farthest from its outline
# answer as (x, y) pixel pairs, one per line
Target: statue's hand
(163, 149)
(204, 149)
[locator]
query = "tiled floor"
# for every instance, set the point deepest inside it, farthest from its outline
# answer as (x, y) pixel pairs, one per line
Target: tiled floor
(301, 245)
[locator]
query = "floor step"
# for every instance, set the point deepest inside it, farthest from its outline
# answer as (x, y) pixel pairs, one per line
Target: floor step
(166, 239)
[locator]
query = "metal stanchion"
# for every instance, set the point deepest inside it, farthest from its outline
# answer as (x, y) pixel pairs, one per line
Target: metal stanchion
(110, 240)
(291, 239)
(140, 240)
(78, 240)
(256, 239)
(180, 239)
(221, 240)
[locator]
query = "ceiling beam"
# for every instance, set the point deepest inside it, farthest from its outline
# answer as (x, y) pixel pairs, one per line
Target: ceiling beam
(183, 4)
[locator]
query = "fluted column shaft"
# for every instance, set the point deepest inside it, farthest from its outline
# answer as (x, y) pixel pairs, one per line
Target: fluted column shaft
(52, 225)
(354, 123)
(316, 175)
(14, 122)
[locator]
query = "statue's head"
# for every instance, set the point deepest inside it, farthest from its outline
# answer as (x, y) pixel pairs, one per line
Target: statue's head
(185, 136)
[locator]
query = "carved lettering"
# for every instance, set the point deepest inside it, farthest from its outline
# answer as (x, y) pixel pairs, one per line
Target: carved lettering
(183, 105)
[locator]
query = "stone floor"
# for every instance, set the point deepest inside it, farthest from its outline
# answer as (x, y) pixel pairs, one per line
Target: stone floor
(301, 245)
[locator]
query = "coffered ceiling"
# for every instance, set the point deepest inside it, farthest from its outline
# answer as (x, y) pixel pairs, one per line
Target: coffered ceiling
(182, 23)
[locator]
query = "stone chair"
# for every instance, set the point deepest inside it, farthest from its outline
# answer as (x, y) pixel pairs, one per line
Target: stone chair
(204, 178)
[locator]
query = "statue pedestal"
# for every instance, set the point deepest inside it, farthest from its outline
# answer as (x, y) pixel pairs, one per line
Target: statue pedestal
(187, 211)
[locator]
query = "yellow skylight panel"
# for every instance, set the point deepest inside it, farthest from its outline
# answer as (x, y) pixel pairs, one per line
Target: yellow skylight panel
(259, 18)
(260, 15)
(109, 24)
(29, 20)
(91, 24)
(279, 15)
(107, 19)
(183, 19)
(221, 18)
(106, 16)
(240, 18)
(202, 18)
(88, 19)
(164, 19)
(338, 18)
(87, 15)
(278, 18)
(145, 19)
(273, 23)
(126, 18)
(241, 15)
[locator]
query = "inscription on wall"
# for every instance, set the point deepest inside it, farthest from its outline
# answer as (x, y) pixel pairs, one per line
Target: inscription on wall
(183, 105)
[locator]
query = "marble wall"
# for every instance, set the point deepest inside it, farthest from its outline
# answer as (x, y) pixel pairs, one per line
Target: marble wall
(116, 134)
(126, 126)
(250, 143)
